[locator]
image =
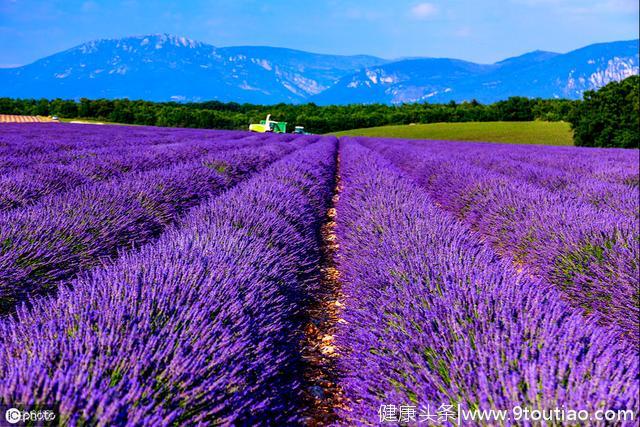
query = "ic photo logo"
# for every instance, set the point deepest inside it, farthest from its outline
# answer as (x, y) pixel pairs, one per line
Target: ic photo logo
(31, 416)
(13, 415)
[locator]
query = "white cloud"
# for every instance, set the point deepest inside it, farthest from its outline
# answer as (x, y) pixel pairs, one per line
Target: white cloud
(424, 10)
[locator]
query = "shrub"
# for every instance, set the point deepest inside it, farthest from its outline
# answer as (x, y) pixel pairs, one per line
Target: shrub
(609, 117)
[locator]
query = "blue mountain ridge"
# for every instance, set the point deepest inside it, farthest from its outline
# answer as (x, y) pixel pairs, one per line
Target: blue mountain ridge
(165, 67)
(536, 74)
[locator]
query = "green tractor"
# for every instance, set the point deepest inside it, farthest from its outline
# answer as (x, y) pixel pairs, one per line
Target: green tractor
(269, 125)
(299, 130)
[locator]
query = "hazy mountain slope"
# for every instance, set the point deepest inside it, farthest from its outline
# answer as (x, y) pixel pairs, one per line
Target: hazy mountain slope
(165, 67)
(536, 74)
(404, 81)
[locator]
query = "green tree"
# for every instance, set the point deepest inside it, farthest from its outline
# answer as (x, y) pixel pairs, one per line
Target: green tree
(516, 108)
(315, 118)
(609, 117)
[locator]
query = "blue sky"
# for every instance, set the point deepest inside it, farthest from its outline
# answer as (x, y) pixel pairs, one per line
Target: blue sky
(481, 31)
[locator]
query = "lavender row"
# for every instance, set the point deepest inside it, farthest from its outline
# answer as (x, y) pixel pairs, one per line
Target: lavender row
(52, 241)
(580, 249)
(605, 164)
(533, 169)
(196, 329)
(594, 190)
(27, 145)
(432, 316)
(24, 144)
(26, 139)
(211, 141)
(27, 186)
(603, 195)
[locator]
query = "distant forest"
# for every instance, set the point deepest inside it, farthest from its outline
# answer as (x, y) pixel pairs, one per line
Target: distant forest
(609, 117)
(314, 118)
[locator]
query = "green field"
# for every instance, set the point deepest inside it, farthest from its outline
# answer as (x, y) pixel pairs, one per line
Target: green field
(545, 133)
(94, 122)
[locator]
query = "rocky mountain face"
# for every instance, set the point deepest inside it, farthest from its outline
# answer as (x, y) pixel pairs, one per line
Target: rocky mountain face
(536, 74)
(169, 68)
(165, 67)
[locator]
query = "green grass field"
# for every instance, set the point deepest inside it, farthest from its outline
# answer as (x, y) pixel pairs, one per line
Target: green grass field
(544, 133)
(94, 122)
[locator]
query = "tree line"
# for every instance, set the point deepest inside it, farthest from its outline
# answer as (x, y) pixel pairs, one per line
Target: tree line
(316, 119)
(608, 117)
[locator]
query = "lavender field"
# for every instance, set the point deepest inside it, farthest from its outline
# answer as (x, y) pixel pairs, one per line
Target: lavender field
(163, 277)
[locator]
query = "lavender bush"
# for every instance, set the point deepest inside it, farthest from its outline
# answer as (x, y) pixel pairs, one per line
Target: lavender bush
(60, 236)
(198, 328)
(433, 317)
(154, 276)
(557, 235)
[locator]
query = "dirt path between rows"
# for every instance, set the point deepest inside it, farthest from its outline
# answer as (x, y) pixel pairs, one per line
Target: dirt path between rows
(319, 351)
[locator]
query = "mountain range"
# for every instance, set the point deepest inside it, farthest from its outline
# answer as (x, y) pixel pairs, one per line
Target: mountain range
(165, 67)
